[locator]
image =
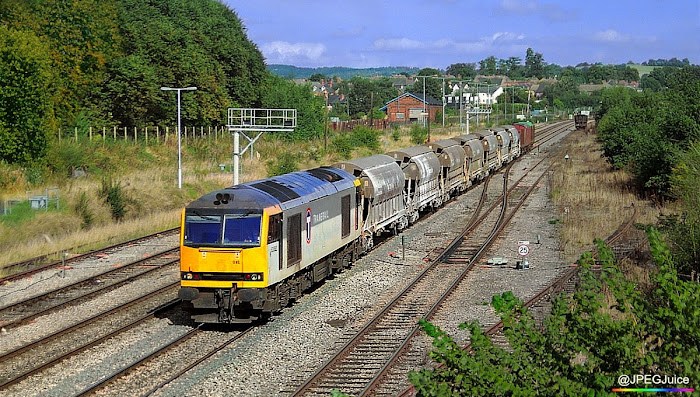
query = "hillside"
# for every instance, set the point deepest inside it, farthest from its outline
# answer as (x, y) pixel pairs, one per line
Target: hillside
(289, 71)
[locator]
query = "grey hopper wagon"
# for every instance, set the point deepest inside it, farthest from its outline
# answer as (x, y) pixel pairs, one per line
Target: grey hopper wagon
(382, 183)
(453, 176)
(491, 149)
(504, 142)
(421, 169)
(476, 156)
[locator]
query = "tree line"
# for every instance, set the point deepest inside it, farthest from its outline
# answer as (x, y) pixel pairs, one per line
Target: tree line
(90, 62)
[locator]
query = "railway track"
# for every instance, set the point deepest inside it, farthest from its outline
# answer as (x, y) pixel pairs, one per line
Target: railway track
(624, 242)
(14, 315)
(366, 359)
(30, 359)
(35, 265)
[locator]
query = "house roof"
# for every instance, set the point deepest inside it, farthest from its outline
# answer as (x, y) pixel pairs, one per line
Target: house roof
(430, 101)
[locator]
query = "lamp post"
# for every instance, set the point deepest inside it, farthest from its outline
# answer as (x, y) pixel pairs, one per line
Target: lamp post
(179, 133)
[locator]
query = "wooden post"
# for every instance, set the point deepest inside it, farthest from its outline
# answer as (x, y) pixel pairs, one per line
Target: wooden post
(126, 134)
(59, 134)
(157, 134)
(136, 138)
(76, 134)
(104, 133)
(115, 133)
(146, 135)
(180, 132)
(167, 129)
(90, 133)
(201, 131)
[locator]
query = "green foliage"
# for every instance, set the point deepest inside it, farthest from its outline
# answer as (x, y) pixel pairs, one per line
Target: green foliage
(395, 133)
(115, 197)
(285, 163)
(584, 345)
(343, 146)
(365, 93)
(684, 230)
(282, 94)
(82, 208)
(419, 134)
(24, 96)
(365, 137)
(646, 132)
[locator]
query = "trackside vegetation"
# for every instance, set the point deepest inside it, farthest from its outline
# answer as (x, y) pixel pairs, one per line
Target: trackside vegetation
(607, 329)
(655, 135)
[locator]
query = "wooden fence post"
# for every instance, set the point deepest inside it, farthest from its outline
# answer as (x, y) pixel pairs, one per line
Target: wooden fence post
(104, 133)
(126, 134)
(157, 134)
(146, 135)
(167, 129)
(90, 133)
(76, 134)
(115, 133)
(59, 134)
(136, 138)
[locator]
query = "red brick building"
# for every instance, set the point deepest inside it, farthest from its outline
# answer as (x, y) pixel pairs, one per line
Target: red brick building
(409, 108)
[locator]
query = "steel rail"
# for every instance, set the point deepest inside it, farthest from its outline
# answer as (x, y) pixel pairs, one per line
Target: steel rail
(38, 343)
(55, 303)
(30, 262)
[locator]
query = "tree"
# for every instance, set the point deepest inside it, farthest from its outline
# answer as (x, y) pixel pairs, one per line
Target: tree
(433, 87)
(462, 70)
(487, 66)
(534, 65)
(317, 77)
(25, 92)
(283, 94)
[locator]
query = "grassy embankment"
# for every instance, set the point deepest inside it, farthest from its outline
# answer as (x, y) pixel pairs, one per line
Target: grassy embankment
(593, 199)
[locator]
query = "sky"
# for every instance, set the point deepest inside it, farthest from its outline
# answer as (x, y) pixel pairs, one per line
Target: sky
(438, 33)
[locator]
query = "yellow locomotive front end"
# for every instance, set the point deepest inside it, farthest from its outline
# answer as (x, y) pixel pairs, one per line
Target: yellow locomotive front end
(223, 259)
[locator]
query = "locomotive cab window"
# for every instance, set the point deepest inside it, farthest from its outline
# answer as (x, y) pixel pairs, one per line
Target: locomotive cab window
(345, 215)
(241, 230)
(294, 240)
(202, 229)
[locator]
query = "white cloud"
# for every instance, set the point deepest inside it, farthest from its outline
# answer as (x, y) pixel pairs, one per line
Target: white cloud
(285, 52)
(611, 36)
(399, 44)
(498, 39)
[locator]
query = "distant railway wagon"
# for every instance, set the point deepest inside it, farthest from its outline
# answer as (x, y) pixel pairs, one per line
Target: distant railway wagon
(580, 121)
(249, 250)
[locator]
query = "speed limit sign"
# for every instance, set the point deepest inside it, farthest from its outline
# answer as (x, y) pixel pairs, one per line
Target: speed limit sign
(523, 250)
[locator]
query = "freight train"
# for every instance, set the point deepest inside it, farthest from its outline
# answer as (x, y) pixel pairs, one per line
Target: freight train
(249, 250)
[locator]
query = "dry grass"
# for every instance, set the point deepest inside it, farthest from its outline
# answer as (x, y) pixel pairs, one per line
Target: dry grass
(593, 199)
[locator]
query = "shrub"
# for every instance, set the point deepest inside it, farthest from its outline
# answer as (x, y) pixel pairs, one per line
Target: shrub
(418, 134)
(366, 137)
(115, 197)
(284, 164)
(343, 146)
(82, 208)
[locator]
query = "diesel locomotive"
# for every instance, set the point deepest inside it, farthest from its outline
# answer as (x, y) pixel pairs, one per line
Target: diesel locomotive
(249, 250)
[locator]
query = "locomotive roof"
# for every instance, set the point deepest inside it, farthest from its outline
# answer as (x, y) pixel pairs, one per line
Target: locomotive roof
(286, 190)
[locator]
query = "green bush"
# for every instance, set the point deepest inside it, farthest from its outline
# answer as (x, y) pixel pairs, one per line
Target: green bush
(115, 197)
(367, 137)
(343, 146)
(284, 164)
(82, 208)
(418, 134)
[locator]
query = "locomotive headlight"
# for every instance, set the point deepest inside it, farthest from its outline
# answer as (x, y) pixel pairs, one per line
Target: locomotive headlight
(187, 276)
(254, 277)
